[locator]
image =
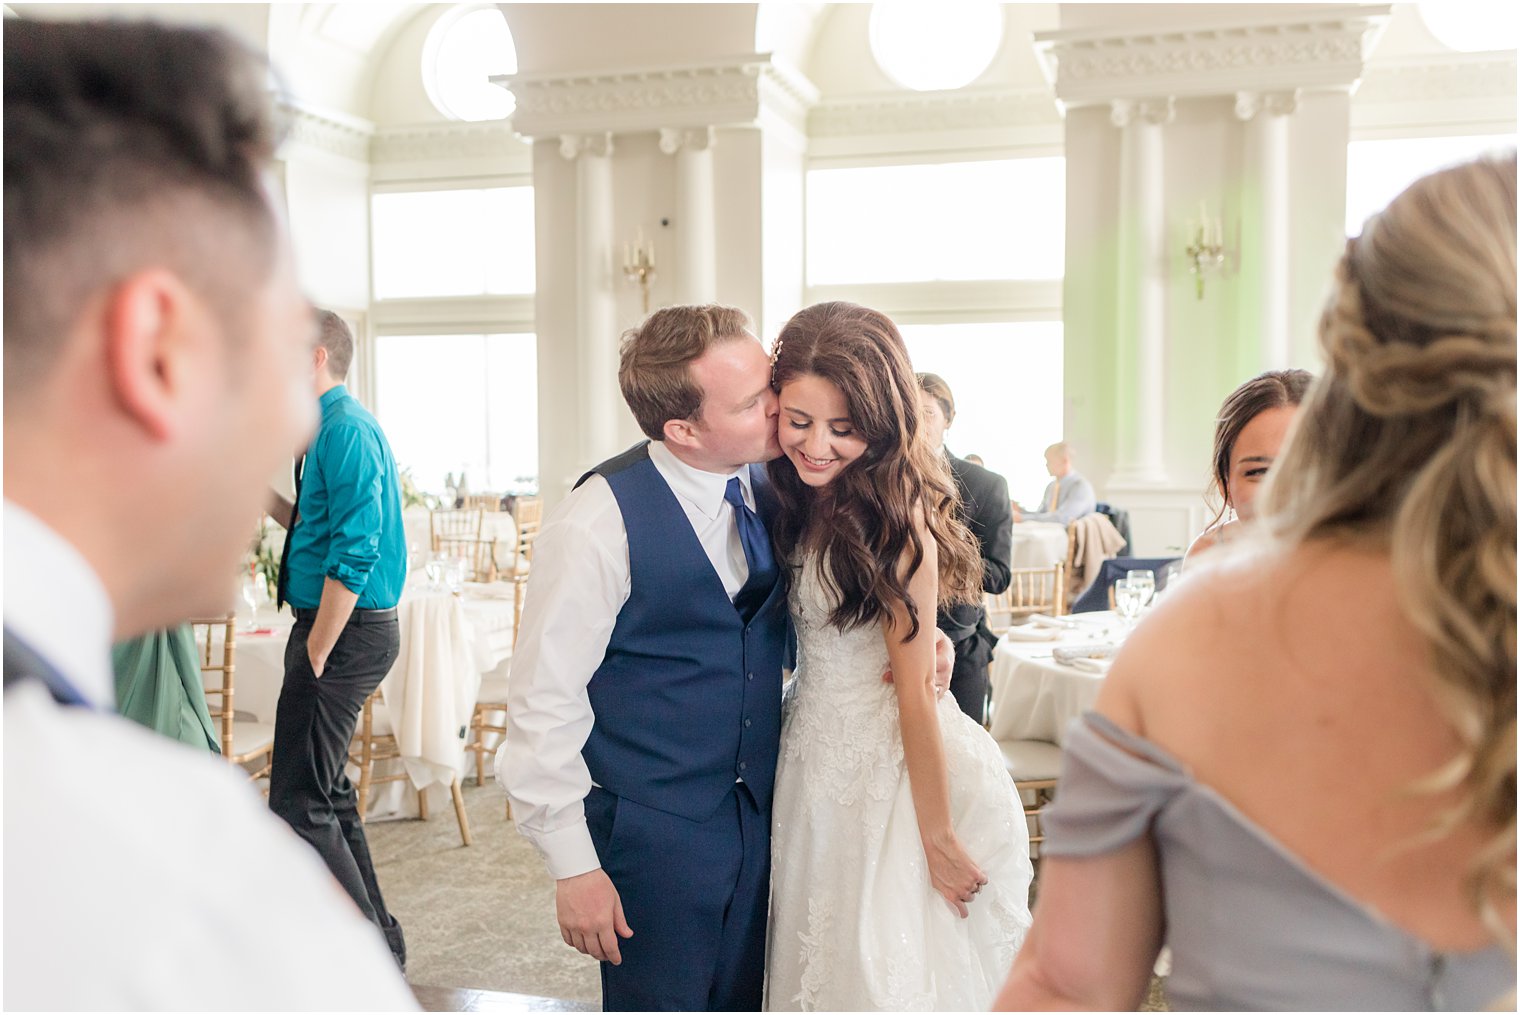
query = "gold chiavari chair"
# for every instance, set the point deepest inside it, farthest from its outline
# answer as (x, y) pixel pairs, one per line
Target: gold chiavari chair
(1035, 767)
(457, 534)
(529, 516)
(371, 746)
(1030, 590)
(245, 742)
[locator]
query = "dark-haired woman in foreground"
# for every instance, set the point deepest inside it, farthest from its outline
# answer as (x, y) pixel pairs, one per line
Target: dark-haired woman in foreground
(900, 866)
(1301, 770)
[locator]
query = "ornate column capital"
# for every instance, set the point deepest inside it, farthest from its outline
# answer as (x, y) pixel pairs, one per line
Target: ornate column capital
(1197, 55)
(1156, 112)
(573, 146)
(1249, 105)
(691, 139)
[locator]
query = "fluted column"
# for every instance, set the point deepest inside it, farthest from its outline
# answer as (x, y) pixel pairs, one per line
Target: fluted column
(1267, 114)
(696, 224)
(1141, 358)
(596, 306)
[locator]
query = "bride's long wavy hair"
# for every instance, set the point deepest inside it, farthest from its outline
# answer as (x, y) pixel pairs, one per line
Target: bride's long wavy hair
(862, 524)
(1408, 442)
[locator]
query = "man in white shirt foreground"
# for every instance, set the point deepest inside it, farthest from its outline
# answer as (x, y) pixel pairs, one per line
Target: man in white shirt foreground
(644, 706)
(155, 346)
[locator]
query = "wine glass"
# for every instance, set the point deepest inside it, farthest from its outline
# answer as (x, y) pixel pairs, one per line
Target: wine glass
(1145, 581)
(250, 592)
(434, 570)
(453, 575)
(1128, 600)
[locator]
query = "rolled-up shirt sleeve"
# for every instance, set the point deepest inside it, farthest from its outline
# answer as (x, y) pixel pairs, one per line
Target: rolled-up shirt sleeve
(352, 464)
(579, 583)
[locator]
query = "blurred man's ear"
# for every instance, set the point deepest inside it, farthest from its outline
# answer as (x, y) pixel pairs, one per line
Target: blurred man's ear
(152, 327)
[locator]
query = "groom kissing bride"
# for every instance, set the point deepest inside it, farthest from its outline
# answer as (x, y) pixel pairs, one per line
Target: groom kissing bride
(646, 716)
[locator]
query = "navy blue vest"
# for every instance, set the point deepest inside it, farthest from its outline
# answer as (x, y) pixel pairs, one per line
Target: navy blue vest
(687, 698)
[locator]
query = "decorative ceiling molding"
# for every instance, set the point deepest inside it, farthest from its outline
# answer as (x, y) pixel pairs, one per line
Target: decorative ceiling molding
(481, 139)
(1475, 76)
(727, 93)
(327, 130)
(899, 113)
(1323, 49)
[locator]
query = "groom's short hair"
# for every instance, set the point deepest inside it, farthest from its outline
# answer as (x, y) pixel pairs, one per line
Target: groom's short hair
(654, 369)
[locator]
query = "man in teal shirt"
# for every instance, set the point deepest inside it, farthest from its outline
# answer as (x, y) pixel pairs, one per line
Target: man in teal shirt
(342, 573)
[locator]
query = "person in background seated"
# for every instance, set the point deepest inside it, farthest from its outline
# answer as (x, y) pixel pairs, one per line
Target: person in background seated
(976, 460)
(1252, 425)
(985, 510)
(1300, 773)
(154, 343)
(1068, 497)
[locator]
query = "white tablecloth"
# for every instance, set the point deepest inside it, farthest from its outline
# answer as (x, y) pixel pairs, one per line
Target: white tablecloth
(1038, 544)
(448, 644)
(1033, 696)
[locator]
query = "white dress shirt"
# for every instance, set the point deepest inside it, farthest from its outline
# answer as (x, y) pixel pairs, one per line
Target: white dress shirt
(55, 603)
(142, 874)
(579, 585)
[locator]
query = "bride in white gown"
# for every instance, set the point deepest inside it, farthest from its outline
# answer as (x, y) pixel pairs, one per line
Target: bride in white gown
(900, 866)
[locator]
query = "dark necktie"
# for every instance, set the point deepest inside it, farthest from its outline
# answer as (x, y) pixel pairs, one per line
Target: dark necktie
(757, 552)
(283, 582)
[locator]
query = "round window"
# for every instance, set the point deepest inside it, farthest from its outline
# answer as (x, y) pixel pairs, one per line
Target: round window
(463, 51)
(935, 47)
(1470, 27)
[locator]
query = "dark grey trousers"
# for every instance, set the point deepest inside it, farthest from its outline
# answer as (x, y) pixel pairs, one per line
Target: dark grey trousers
(313, 727)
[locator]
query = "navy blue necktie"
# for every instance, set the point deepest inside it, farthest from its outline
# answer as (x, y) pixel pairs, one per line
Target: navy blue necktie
(757, 552)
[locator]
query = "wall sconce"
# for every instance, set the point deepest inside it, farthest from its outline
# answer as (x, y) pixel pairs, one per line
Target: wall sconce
(1205, 249)
(638, 265)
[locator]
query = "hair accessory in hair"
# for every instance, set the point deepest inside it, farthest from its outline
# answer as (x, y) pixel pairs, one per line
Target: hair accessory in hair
(775, 355)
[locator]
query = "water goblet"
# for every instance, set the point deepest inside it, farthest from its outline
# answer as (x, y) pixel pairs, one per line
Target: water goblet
(434, 571)
(250, 588)
(1128, 600)
(1145, 581)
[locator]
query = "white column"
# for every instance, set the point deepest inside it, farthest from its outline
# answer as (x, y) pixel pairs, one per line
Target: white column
(1141, 358)
(1267, 114)
(696, 226)
(596, 329)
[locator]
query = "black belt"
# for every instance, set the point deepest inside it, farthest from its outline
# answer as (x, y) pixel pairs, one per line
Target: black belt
(357, 617)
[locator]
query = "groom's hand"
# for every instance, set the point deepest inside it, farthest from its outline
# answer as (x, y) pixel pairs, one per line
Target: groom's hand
(591, 915)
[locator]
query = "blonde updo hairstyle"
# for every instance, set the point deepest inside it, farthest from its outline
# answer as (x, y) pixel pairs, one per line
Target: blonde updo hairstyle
(1408, 443)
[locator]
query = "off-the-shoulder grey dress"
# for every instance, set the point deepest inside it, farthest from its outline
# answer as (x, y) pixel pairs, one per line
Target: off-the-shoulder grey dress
(1250, 927)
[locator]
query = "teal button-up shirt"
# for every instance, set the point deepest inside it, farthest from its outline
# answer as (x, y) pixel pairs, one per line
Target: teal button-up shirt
(349, 525)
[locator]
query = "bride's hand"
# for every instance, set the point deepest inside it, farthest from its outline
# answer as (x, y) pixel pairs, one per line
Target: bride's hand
(952, 872)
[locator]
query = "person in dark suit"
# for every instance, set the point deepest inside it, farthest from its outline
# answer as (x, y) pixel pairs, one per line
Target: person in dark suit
(988, 513)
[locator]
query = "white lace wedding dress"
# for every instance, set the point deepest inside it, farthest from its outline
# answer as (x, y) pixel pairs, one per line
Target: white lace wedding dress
(855, 923)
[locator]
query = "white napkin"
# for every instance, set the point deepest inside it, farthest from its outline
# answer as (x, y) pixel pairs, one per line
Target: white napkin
(1045, 621)
(1069, 654)
(1091, 665)
(1030, 632)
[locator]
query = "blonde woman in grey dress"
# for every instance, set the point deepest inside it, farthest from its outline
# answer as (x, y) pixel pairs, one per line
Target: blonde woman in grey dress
(1301, 771)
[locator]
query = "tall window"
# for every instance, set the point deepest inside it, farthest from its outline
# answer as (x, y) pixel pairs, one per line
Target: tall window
(1002, 219)
(453, 242)
(447, 261)
(462, 404)
(1377, 171)
(1007, 382)
(967, 258)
